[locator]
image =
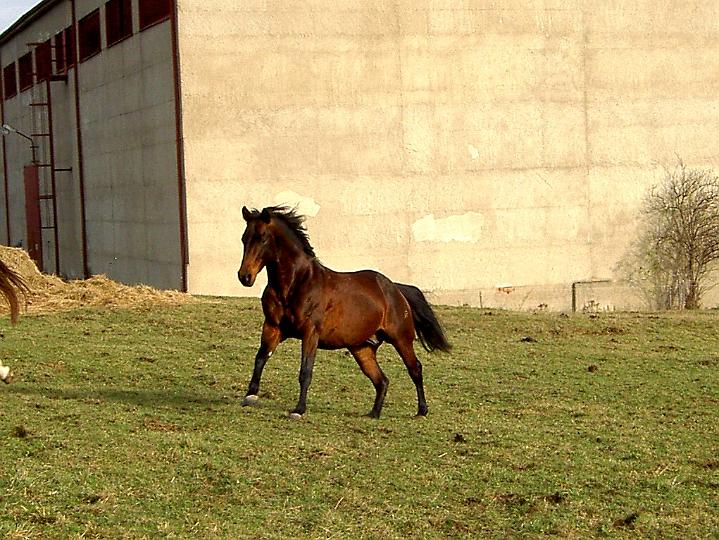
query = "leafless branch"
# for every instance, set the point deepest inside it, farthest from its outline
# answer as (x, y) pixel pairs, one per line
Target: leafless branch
(674, 256)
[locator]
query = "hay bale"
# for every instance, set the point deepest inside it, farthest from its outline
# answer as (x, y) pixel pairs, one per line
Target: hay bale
(50, 293)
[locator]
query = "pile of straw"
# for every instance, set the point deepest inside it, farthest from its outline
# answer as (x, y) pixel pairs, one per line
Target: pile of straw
(50, 293)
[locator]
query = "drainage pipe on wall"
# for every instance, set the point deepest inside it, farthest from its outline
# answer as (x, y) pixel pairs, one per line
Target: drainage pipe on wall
(80, 162)
(4, 164)
(179, 147)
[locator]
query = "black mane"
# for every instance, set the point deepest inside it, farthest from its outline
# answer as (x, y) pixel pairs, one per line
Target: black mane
(294, 222)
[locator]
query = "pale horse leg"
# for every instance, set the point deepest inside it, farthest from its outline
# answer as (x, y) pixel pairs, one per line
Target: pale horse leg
(5, 374)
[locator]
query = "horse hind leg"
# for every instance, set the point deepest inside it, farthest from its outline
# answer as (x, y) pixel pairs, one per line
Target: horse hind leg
(405, 349)
(6, 374)
(366, 357)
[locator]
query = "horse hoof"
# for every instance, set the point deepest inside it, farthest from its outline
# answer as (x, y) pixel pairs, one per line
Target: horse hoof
(294, 416)
(9, 377)
(420, 416)
(6, 374)
(250, 400)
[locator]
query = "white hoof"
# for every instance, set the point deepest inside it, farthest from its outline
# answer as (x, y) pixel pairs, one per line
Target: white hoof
(252, 399)
(7, 379)
(5, 373)
(295, 416)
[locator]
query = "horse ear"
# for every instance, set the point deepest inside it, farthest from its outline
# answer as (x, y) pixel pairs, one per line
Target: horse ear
(246, 213)
(265, 215)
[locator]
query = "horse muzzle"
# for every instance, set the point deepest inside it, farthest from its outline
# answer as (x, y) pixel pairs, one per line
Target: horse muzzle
(246, 278)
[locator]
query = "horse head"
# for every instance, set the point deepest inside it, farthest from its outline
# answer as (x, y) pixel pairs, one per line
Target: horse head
(258, 244)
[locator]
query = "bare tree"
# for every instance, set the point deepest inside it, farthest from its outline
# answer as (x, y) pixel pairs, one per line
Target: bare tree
(677, 248)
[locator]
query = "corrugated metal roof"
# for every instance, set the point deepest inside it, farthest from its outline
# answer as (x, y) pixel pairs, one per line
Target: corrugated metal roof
(27, 19)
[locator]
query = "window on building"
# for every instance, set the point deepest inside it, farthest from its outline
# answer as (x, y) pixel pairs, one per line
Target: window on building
(43, 61)
(68, 42)
(24, 67)
(9, 81)
(153, 12)
(118, 20)
(88, 39)
(59, 48)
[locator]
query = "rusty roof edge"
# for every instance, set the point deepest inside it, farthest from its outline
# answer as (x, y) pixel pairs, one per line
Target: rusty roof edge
(25, 20)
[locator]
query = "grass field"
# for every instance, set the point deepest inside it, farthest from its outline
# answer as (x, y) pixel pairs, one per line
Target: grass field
(129, 424)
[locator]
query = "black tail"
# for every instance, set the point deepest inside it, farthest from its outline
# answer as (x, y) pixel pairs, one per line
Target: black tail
(428, 328)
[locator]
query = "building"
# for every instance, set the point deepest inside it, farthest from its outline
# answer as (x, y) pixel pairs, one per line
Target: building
(493, 153)
(110, 193)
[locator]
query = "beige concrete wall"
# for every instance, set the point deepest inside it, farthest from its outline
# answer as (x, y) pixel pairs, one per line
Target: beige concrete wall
(461, 146)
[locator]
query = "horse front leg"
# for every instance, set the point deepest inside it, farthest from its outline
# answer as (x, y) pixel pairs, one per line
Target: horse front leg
(271, 337)
(309, 351)
(6, 374)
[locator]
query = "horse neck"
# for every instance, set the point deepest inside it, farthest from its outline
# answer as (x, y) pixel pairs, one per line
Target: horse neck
(289, 267)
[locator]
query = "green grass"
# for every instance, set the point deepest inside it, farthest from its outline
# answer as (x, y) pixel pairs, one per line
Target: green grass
(129, 424)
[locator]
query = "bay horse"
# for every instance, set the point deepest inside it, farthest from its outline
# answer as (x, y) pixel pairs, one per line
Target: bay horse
(9, 282)
(325, 309)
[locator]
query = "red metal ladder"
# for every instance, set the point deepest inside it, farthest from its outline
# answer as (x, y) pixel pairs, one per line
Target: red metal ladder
(42, 130)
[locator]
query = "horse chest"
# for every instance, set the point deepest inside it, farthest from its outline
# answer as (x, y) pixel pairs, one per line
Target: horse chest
(289, 324)
(288, 309)
(293, 322)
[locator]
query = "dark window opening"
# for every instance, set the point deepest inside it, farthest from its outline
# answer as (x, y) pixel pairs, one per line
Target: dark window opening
(89, 35)
(68, 41)
(24, 66)
(59, 48)
(118, 20)
(43, 61)
(153, 12)
(9, 81)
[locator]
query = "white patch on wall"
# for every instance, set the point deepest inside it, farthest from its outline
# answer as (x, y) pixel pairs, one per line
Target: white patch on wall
(306, 206)
(473, 152)
(459, 228)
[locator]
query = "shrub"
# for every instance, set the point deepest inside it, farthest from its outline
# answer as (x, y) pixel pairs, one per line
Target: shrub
(677, 247)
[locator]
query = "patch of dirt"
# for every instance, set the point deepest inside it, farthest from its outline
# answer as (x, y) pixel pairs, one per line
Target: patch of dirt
(664, 348)
(609, 330)
(475, 501)
(42, 519)
(511, 499)
(555, 498)
(459, 438)
(20, 432)
(627, 521)
(709, 362)
(95, 498)
(49, 293)
(152, 424)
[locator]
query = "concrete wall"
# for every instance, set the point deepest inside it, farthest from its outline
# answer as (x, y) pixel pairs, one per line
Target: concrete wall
(19, 114)
(490, 153)
(464, 146)
(128, 129)
(69, 213)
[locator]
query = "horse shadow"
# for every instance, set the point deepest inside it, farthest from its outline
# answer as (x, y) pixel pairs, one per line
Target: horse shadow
(137, 397)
